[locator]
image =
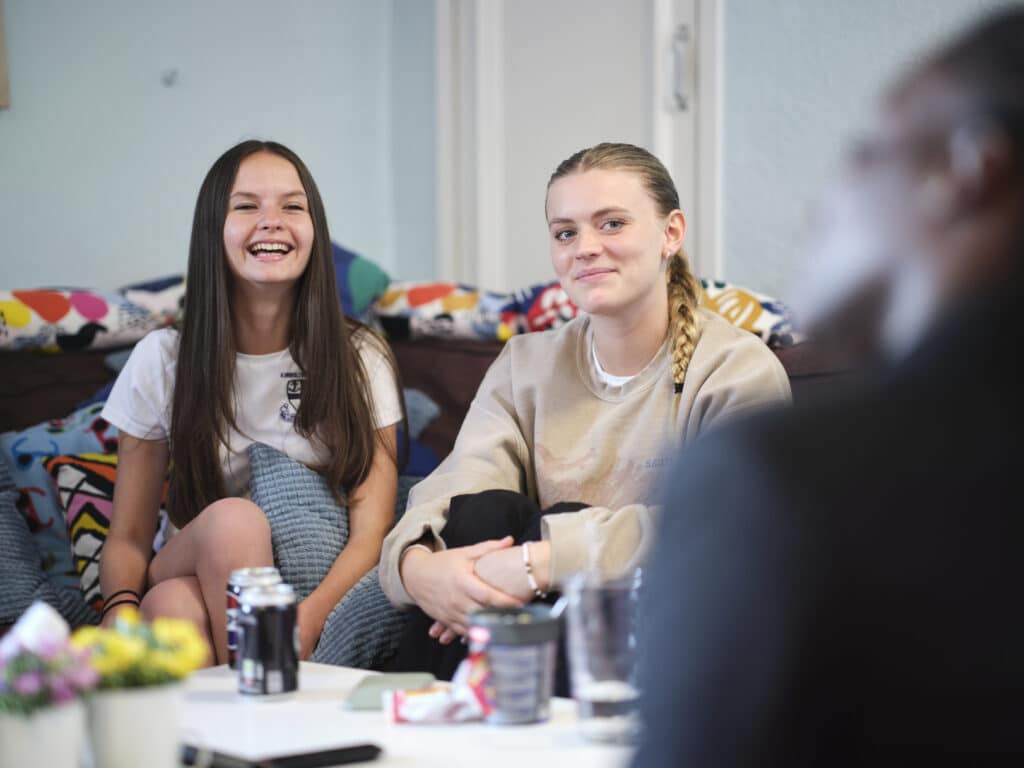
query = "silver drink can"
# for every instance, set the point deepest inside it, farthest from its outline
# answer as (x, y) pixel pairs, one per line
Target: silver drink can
(240, 579)
(268, 651)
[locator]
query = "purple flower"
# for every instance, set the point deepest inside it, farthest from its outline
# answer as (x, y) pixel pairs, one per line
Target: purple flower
(61, 690)
(83, 677)
(81, 656)
(28, 684)
(48, 649)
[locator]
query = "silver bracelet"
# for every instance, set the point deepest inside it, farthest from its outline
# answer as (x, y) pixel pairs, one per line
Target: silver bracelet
(529, 572)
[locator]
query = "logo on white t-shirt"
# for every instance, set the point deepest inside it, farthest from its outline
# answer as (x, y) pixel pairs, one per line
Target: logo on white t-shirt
(292, 395)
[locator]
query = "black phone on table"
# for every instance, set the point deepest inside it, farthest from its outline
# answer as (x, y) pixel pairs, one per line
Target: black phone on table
(357, 753)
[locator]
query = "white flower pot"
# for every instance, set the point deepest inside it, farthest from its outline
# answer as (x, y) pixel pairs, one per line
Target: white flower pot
(133, 727)
(53, 737)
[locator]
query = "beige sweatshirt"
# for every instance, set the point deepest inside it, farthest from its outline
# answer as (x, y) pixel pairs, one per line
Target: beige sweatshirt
(545, 424)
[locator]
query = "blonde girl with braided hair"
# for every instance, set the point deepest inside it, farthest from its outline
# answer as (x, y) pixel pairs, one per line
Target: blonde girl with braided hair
(683, 290)
(568, 435)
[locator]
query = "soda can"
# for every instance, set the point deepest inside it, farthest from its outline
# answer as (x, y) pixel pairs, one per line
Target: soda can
(268, 651)
(240, 579)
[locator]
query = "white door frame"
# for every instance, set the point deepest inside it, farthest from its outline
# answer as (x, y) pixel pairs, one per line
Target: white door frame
(470, 141)
(710, 127)
(702, 85)
(469, 46)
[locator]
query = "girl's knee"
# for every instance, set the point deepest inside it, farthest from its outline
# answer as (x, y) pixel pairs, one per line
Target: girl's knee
(179, 598)
(235, 531)
(229, 519)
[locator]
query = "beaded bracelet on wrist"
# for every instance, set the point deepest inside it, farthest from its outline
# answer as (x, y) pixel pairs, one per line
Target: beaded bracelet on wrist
(530, 578)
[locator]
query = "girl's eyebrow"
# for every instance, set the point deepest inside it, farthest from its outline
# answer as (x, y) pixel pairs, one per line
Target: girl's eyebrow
(594, 215)
(296, 193)
(609, 209)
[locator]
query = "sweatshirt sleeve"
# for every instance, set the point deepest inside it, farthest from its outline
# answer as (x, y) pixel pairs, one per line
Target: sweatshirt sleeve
(738, 377)
(610, 541)
(490, 453)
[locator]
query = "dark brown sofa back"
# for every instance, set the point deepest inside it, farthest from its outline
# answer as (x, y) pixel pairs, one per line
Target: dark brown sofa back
(37, 386)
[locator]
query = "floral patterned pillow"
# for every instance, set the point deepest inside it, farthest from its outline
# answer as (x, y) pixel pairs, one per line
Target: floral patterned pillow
(62, 319)
(462, 311)
(762, 315)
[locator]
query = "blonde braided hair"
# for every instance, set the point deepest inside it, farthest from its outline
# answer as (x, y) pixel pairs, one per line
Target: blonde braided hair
(684, 290)
(683, 299)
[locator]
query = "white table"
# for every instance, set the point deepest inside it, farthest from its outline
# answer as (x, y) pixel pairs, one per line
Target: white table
(215, 716)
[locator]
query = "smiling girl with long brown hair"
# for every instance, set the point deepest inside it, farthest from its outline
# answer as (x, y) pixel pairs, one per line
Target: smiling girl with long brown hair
(263, 354)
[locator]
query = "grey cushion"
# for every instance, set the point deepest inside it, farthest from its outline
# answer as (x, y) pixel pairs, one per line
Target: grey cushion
(308, 530)
(307, 526)
(363, 630)
(22, 578)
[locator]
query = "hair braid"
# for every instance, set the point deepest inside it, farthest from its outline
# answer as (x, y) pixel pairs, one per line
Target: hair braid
(683, 299)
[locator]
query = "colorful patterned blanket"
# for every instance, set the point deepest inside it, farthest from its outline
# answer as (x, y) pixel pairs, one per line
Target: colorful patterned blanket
(463, 311)
(63, 319)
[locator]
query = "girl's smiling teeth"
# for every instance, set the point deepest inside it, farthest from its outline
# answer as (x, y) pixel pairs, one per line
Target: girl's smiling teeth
(270, 249)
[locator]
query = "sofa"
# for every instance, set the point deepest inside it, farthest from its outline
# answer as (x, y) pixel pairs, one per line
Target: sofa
(444, 337)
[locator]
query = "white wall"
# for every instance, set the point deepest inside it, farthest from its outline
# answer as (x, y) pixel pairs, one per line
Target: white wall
(414, 140)
(100, 161)
(576, 73)
(799, 79)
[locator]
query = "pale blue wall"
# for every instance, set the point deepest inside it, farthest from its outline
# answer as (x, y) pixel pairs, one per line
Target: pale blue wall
(100, 162)
(800, 77)
(414, 140)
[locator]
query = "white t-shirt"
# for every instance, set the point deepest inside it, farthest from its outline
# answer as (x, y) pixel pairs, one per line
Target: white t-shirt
(608, 378)
(268, 388)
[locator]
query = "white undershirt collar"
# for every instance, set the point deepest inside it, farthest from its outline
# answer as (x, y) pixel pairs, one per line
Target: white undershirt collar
(610, 379)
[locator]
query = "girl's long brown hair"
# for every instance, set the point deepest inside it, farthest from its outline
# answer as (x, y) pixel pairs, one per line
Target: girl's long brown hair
(336, 409)
(684, 291)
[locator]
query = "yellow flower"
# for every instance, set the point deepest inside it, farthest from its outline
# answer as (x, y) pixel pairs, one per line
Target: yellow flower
(173, 632)
(133, 653)
(180, 639)
(86, 638)
(175, 665)
(128, 618)
(117, 653)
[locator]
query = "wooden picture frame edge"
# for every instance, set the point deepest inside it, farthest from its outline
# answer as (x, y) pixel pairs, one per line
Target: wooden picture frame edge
(5, 83)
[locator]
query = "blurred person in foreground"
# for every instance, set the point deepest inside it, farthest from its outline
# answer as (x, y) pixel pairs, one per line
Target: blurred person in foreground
(843, 583)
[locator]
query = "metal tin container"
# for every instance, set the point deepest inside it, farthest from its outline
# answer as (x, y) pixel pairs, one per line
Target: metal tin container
(240, 579)
(520, 645)
(268, 651)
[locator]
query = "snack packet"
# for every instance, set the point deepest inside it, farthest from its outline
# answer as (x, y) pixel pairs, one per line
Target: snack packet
(466, 698)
